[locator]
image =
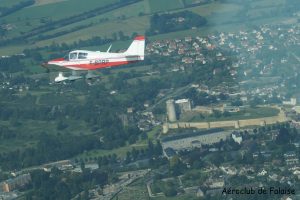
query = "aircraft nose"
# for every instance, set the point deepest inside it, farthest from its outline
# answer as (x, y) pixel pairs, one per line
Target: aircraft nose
(55, 61)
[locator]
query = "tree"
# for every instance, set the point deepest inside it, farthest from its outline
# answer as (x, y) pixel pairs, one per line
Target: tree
(284, 136)
(217, 113)
(82, 166)
(169, 189)
(176, 167)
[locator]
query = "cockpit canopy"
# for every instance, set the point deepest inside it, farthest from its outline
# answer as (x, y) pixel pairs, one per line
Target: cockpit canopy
(78, 55)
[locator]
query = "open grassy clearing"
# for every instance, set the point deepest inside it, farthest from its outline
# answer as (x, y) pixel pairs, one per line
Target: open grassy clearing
(216, 13)
(121, 152)
(260, 12)
(165, 5)
(114, 16)
(31, 129)
(44, 2)
(135, 191)
(32, 17)
(138, 25)
(266, 3)
(215, 8)
(249, 113)
(12, 145)
(35, 127)
(8, 3)
(56, 11)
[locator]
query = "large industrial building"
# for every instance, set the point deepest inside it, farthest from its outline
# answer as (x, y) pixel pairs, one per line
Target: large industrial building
(190, 140)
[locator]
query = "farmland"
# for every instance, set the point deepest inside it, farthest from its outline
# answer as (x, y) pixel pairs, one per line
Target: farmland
(249, 113)
(133, 18)
(8, 3)
(128, 19)
(166, 5)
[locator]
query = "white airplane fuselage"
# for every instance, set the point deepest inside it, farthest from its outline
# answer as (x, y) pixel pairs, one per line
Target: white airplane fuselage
(92, 60)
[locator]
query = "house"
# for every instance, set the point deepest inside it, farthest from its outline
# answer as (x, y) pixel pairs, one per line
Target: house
(199, 193)
(15, 183)
(237, 137)
(292, 102)
(230, 109)
(291, 158)
(169, 152)
(229, 170)
(263, 172)
(215, 183)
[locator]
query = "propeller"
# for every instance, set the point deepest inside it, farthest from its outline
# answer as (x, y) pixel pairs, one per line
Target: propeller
(45, 65)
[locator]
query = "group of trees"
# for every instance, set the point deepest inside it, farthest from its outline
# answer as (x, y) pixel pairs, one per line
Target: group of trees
(59, 185)
(165, 23)
(202, 98)
(49, 148)
(169, 188)
(11, 64)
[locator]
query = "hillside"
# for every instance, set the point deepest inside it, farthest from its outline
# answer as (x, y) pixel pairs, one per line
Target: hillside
(57, 21)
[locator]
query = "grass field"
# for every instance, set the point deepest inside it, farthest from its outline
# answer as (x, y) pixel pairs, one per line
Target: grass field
(267, 3)
(121, 152)
(215, 8)
(31, 17)
(221, 17)
(30, 130)
(44, 2)
(8, 3)
(56, 11)
(135, 191)
(113, 16)
(249, 113)
(106, 29)
(12, 145)
(165, 5)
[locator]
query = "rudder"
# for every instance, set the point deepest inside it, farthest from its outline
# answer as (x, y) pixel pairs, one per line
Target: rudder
(137, 47)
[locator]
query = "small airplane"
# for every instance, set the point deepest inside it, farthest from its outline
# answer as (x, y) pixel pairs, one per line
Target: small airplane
(83, 60)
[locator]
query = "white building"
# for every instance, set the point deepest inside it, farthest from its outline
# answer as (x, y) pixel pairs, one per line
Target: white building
(184, 105)
(291, 102)
(237, 137)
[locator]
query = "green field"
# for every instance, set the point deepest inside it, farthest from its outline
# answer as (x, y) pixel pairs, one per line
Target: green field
(8, 3)
(216, 8)
(121, 152)
(222, 17)
(249, 113)
(105, 29)
(267, 3)
(165, 5)
(56, 11)
(135, 191)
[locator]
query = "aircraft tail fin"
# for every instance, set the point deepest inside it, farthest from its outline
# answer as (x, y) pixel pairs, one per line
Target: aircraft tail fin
(137, 47)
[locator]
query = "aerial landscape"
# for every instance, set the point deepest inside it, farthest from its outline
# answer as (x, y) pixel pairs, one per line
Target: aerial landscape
(149, 99)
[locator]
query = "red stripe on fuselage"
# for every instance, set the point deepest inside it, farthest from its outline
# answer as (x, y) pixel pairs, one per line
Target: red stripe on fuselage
(139, 38)
(57, 60)
(98, 65)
